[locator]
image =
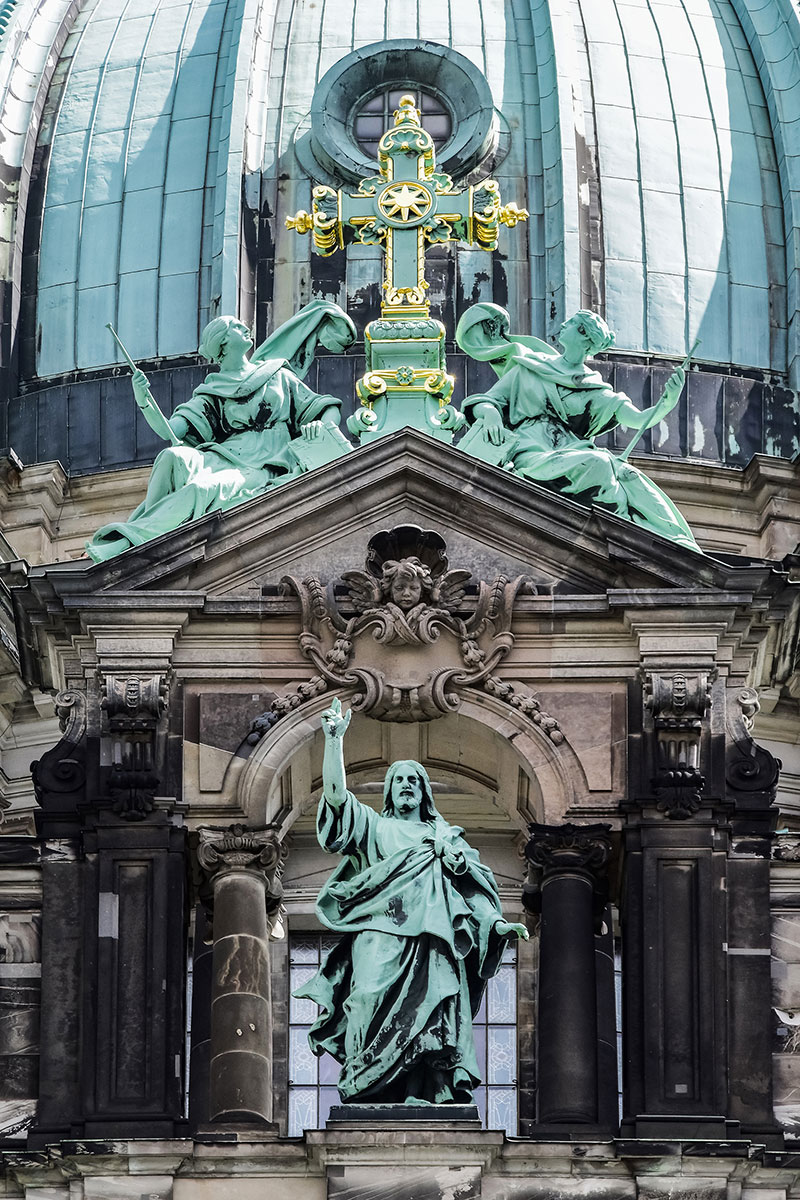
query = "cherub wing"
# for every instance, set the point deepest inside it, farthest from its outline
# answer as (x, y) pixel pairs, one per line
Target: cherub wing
(364, 591)
(449, 589)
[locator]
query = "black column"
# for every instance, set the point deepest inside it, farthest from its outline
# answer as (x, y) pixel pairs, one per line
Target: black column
(571, 860)
(244, 866)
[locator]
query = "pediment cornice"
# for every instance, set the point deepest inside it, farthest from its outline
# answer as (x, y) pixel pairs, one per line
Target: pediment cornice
(325, 518)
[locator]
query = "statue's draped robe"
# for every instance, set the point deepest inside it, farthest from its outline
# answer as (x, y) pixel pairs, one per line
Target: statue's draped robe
(237, 445)
(556, 414)
(239, 432)
(417, 911)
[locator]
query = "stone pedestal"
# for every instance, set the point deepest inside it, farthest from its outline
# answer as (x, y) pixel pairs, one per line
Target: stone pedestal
(571, 861)
(244, 866)
(436, 1116)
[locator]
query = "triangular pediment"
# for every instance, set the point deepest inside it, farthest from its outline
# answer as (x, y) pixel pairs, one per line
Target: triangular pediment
(319, 524)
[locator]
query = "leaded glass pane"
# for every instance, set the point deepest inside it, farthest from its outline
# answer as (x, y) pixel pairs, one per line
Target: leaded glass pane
(327, 1097)
(329, 1069)
(326, 945)
(372, 118)
(501, 1065)
(302, 1063)
(301, 1012)
(479, 1032)
(437, 125)
(510, 953)
(479, 1097)
(502, 1109)
(302, 1110)
(369, 127)
(304, 950)
(480, 1016)
(502, 1006)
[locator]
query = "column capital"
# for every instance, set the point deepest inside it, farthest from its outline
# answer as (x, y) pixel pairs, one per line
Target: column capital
(241, 848)
(556, 848)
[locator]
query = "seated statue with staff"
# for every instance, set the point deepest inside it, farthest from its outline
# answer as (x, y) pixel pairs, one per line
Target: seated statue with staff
(247, 427)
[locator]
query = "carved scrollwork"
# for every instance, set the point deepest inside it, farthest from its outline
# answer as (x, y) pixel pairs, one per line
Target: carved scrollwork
(408, 603)
(61, 772)
(239, 848)
(134, 707)
(751, 771)
(750, 705)
(678, 704)
(749, 768)
(575, 849)
(570, 847)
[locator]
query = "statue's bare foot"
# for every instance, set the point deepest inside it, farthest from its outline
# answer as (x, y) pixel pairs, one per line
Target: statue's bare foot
(418, 1103)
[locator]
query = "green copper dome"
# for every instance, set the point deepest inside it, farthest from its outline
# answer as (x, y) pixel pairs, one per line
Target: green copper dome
(157, 147)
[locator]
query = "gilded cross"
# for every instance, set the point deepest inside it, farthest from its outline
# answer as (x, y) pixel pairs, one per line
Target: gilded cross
(408, 207)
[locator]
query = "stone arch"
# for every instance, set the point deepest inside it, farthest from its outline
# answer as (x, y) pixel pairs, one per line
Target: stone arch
(494, 753)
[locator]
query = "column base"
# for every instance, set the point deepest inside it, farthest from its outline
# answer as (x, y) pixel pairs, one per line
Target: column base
(210, 1132)
(571, 1131)
(679, 1127)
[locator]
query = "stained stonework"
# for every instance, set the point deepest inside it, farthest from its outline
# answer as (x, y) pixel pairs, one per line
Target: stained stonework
(596, 689)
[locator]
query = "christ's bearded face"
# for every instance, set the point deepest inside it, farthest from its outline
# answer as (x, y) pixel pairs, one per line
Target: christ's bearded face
(406, 791)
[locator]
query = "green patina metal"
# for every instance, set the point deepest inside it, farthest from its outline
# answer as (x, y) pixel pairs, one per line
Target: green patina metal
(541, 418)
(422, 933)
(248, 427)
(405, 209)
(254, 424)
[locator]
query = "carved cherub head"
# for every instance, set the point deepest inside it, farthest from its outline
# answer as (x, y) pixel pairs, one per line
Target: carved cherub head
(406, 582)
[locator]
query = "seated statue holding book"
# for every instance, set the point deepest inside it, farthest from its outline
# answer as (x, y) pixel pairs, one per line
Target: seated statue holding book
(541, 418)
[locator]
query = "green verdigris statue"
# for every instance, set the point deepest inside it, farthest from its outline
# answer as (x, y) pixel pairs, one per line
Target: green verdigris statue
(235, 437)
(422, 930)
(543, 414)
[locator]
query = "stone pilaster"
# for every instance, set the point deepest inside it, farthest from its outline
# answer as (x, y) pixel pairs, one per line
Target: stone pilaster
(674, 907)
(244, 867)
(202, 966)
(571, 861)
(751, 780)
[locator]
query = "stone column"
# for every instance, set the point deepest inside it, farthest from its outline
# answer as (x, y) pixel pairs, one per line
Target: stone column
(571, 861)
(244, 866)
